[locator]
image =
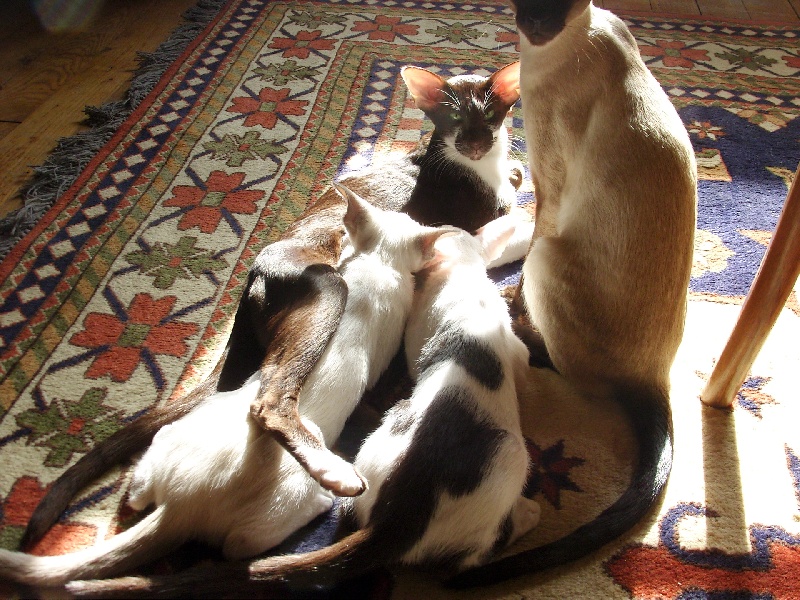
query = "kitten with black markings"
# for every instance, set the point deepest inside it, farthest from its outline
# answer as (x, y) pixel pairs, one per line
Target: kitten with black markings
(446, 467)
(436, 181)
(214, 475)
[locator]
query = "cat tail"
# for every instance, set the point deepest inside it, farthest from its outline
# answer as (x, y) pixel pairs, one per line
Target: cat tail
(287, 576)
(112, 451)
(649, 412)
(146, 540)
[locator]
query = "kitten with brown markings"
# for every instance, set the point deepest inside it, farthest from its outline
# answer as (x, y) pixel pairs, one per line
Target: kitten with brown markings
(304, 260)
(214, 475)
(446, 467)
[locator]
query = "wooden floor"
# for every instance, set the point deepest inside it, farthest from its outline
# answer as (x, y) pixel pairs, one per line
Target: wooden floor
(47, 77)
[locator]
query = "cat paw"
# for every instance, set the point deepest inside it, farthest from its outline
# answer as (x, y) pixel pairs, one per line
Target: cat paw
(337, 475)
(515, 174)
(525, 516)
(322, 502)
(140, 493)
(344, 482)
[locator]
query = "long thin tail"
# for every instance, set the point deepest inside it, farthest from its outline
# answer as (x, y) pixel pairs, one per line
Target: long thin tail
(114, 450)
(288, 576)
(145, 541)
(649, 412)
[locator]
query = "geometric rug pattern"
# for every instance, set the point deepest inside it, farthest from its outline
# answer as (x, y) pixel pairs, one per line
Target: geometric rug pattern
(122, 295)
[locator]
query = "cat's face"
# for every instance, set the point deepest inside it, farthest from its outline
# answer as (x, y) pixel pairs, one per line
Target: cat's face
(542, 20)
(469, 117)
(467, 111)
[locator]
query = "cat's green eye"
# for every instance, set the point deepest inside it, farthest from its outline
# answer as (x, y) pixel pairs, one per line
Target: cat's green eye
(489, 114)
(454, 116)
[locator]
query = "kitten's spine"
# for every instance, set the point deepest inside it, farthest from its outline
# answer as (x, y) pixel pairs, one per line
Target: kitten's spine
(149, 537)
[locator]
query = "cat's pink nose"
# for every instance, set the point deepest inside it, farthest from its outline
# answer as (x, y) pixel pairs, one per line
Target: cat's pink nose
(474, 153)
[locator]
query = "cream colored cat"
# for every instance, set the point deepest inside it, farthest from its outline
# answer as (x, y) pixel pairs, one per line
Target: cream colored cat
(606, 278)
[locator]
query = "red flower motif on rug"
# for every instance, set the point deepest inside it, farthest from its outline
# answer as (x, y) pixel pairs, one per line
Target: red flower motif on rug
(302, 45)
(674, 53)
(217, 198)
(145, 329)
(792, 61)
(265, 109)
(17, 509)
(384, 28)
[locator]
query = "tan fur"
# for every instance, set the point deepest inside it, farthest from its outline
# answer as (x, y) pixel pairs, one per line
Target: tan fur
(605, 281)
(615, 178)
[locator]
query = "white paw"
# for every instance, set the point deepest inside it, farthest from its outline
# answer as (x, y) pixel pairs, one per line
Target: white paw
(322, 502)
(337, 475)
(525, 516)
(532, 513)
(344, 482)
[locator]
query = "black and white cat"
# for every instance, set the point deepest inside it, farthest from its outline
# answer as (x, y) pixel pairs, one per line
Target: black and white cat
(214, 475)
(446, 467)
(436, 182)
(462, 173)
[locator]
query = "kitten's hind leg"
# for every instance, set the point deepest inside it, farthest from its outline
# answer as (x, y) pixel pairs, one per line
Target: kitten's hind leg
(112, 451)
(331, 471)
(300, 334)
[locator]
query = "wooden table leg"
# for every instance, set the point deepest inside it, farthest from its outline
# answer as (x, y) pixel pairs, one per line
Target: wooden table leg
(771, 287)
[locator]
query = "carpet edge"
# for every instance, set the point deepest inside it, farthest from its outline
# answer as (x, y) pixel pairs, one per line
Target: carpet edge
(72, 154)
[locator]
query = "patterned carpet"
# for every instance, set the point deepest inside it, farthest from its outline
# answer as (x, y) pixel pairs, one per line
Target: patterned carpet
(121, 295)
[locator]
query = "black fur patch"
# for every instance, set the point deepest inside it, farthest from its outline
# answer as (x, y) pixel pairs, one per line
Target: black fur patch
(451, 451)
(469, 352)
(455, 195)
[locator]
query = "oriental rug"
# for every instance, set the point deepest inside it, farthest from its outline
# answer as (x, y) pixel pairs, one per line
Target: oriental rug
(121, 296)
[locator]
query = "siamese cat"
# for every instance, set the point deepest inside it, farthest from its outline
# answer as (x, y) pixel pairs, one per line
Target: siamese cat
(446, 467)
(436, 182)
(214, 475)
(605, 281)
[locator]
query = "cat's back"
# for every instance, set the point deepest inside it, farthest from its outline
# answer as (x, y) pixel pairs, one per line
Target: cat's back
(460, 326)
(369, 331)
(377, 290)
(387, 182)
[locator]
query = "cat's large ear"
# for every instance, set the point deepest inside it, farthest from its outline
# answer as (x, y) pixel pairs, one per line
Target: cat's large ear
(358, 209)
(495, 235)
(505, 83)
(425, 87)
(431, 252)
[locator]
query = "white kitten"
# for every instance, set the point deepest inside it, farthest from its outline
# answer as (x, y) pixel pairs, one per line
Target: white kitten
(214, 475)
(446, 468)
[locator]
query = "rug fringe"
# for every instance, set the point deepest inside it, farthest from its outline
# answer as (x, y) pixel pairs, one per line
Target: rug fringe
(71, 154)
